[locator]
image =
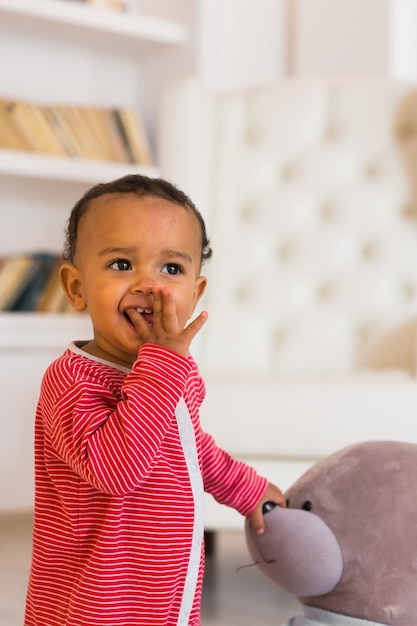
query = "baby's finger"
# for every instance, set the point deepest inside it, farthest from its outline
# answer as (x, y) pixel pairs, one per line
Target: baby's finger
(138, 321)
(257, 521)
(168, 312)
(195, 326)
(157, 305)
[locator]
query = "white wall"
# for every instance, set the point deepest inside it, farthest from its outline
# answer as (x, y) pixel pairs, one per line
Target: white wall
(341, 37)
(241, 42)
(403, 40)
(356, 37)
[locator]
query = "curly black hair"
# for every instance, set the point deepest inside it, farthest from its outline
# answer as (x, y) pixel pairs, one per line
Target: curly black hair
(141, 186)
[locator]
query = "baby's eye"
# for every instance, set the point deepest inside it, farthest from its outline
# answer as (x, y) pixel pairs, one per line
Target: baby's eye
(122, 265)
(172, 268)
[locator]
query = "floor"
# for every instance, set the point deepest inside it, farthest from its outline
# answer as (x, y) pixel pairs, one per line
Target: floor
(231, 596)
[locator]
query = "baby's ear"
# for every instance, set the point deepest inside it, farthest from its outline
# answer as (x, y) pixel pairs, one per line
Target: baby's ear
(71, 283)
(200, 287)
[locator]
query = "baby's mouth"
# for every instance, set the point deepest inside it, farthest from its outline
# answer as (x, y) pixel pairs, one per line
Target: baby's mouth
(147, 314)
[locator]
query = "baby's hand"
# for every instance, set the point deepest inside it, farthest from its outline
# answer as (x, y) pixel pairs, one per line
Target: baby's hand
(272, 494)
(166, 329)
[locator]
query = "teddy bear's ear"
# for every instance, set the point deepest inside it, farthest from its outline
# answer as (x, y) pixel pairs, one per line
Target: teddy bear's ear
(297, 551)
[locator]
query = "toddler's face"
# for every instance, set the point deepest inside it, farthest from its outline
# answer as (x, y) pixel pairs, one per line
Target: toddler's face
(125, 246)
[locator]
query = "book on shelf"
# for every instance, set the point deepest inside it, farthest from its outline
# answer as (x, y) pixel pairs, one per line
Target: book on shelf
(53, 298)
(16, 272)
(99, 134)
(42, 263)
(90, 120)
(30, 122)
(60, 127)
(118, 5)
(10, 136)
(30, 282)
(80, 134)
(87, 132)
(20, 119)
(111, 131)
(133, 132)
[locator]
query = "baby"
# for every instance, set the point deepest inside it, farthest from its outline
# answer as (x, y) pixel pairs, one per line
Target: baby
(121, 461)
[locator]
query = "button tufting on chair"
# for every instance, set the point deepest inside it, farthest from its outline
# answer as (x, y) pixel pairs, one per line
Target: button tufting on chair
(287, 173)
(406, 132)
(327, 212)
(409, 211)
(409, 290)
(367, 251)
(323, 292)
(283, 252)
(371, 171)
(331, 133)
(309, 188)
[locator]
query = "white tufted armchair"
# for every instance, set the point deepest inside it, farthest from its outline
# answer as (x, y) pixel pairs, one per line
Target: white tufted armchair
(308, 189)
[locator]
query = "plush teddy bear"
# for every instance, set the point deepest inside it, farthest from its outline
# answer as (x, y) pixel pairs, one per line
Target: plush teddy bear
(346, 546)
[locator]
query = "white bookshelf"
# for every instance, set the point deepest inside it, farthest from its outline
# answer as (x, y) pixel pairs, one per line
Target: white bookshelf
(50, 168)
(142, 33)
(65, 52)
(51, 29)
(41, 331)
(56, 51)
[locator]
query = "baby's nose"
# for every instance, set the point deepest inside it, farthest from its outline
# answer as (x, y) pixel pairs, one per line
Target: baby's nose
(142, 282)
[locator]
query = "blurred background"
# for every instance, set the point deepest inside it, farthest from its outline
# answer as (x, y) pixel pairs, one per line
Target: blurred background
(88, 93)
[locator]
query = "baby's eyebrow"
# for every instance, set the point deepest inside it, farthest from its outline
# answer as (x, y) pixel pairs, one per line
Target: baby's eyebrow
(170, 253)
(116, 250)
(178, 254)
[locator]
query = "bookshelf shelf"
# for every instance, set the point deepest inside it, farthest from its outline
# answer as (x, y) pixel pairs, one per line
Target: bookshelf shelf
(38, 166)
(141, 32)
(41, 331)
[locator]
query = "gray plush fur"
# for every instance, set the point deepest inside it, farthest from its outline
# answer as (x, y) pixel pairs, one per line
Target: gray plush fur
(366, 496)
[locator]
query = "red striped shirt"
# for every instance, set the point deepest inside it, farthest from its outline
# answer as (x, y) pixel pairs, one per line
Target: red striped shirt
(114, 509)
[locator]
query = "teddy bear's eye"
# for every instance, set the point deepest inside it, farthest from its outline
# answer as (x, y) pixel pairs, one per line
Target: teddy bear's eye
(267, 507)
(307, 505)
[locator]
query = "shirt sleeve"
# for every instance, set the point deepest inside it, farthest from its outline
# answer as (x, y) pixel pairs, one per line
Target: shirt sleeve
(111, 437)
(229, 481)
